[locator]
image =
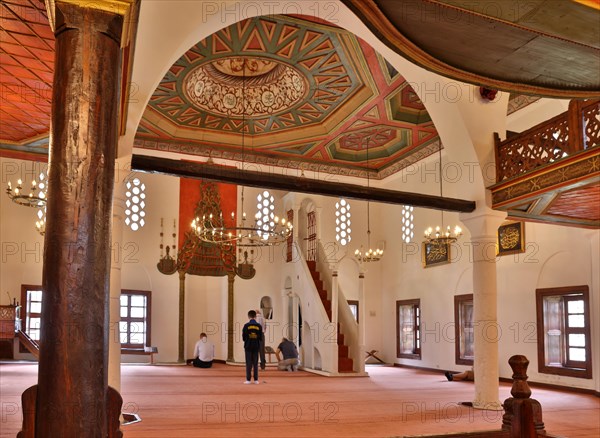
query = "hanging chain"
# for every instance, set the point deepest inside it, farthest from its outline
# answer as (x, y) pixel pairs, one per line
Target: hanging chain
(368, 203)
(441, 185)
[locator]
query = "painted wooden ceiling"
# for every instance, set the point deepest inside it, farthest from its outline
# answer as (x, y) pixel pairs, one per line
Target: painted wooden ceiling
(26, 75)
(307, 95)
(292, 93)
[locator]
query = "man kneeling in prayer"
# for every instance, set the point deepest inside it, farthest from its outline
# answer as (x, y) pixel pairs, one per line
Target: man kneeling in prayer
(290, 356)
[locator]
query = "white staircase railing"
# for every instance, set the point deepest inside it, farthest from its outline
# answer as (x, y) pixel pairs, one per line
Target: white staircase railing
(319, 340)
(348, 324)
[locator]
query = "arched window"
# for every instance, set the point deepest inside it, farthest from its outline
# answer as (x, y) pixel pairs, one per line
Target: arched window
(135, 204)
(265, 218)
(343, 232)
(408, 226)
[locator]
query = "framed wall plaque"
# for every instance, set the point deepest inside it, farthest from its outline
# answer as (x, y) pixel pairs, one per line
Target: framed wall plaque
(511, 238)
(435, 254)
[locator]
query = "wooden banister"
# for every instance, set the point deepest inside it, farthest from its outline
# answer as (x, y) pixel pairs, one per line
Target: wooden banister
(523, 415)
(565, 134)
(32, 346)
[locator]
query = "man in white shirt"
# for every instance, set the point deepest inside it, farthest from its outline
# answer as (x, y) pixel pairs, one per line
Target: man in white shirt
(204, 352)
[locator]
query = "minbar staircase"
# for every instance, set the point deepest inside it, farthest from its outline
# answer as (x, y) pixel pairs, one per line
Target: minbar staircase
(30, 344)
(345, 364)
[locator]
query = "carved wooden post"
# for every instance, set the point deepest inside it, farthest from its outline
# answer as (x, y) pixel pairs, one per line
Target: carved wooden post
(575, 120)
(497, 156)
(523, 415)
(72, 392)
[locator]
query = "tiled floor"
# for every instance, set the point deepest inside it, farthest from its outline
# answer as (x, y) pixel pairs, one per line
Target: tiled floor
(179, 401)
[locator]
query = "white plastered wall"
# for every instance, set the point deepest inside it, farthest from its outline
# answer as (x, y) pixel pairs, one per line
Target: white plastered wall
(398, 276)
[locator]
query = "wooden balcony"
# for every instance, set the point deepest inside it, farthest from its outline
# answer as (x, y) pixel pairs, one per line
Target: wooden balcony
(551, 172)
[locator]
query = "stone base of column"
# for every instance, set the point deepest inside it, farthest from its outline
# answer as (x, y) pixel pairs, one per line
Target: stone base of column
(487, 406)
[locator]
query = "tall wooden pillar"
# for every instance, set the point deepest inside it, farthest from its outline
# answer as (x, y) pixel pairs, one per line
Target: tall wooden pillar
(72, 380)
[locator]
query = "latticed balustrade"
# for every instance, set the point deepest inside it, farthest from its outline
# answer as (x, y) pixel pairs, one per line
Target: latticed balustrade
(572, 131)
(591, 123)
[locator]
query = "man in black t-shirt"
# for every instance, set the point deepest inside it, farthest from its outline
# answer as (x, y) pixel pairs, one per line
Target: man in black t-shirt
(252, 334)
(290, 356)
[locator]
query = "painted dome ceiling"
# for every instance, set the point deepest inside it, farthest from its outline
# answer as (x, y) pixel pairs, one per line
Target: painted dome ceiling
(293, 93)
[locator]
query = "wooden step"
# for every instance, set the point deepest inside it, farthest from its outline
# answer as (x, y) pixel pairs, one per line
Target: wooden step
(312, 265)
(342, 351)
(340, 340)
(345, 365)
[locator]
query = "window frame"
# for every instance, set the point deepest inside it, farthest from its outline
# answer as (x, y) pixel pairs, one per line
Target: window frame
(357, 304)
(128, 348)
(417, 338)
(459, 329)
(23, 312)
(568, 368)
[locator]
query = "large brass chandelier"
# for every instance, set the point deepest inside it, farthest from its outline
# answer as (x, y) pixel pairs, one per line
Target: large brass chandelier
(267, 228)
(36, 196)
(261, 232)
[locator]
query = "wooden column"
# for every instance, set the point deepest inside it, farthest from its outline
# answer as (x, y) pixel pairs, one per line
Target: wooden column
(230, 316)
(72, 380)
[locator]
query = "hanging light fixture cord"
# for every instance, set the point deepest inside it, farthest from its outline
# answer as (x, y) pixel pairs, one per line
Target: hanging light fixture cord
(244, 236)
(442, 235)
(369, 255)
(440, 177)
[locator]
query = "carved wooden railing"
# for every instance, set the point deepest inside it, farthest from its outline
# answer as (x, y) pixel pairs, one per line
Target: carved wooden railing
(9, 321)
(573, 131)
(522, 415)
(31, 345)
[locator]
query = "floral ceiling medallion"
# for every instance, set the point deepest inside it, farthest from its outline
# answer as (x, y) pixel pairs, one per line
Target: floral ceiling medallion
(245, 86)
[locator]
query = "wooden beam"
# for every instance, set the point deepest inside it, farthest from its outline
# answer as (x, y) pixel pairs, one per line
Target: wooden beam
(212, 172)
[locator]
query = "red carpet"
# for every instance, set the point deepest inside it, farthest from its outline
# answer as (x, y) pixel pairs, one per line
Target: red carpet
(180, 401)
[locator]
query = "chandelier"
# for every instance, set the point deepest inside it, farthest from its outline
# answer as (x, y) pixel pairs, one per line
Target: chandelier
(36, 196)
(40, 224)
(267, 229)
(442, 235)
(370, 255)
